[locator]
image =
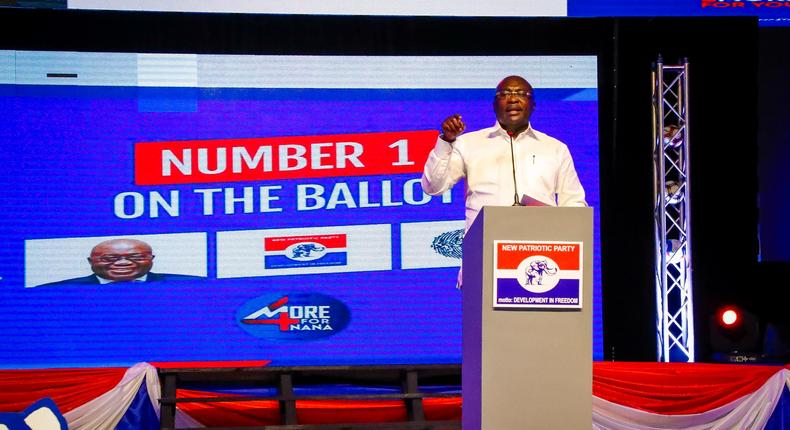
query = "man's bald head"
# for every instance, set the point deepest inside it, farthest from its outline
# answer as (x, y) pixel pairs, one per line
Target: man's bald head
(514, 103)
(121, 259)
(513, 80)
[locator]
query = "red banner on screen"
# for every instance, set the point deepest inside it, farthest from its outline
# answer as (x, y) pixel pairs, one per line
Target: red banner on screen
(258, 159)
(282, 243)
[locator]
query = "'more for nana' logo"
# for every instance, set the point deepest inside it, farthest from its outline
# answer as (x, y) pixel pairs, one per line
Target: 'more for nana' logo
(294, 316)
(530, 274)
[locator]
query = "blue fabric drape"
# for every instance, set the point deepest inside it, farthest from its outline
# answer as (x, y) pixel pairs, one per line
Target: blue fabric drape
(780, 418)
(141, 414)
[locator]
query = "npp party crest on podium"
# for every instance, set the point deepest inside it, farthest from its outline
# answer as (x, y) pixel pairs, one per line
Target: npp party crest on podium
(527, 319)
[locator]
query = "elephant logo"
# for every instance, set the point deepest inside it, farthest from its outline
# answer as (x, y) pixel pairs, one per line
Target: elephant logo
(536, 270)
(538, 274)
(305, 251)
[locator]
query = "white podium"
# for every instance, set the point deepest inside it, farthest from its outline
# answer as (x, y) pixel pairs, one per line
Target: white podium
(527, 319)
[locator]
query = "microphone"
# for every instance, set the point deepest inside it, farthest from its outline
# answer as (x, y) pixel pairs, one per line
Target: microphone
(513, 165)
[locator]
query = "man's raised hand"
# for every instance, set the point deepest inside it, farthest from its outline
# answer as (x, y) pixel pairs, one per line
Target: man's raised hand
(452, 127)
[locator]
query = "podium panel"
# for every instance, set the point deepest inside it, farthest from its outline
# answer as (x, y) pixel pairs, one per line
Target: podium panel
(527, 353)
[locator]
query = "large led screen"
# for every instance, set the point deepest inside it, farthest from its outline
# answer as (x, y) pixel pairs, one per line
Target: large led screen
(268, 207)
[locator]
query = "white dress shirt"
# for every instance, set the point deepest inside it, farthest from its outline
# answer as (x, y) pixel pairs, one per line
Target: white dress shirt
(543, 164)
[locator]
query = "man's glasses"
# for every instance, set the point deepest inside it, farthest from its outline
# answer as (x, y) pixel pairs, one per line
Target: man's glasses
(109, 259)
(519, 94)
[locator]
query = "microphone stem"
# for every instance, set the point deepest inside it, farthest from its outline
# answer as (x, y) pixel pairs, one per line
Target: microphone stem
(513, 163)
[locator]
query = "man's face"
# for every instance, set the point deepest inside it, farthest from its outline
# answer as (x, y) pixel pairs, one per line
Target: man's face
(121, 259)
(513, 104)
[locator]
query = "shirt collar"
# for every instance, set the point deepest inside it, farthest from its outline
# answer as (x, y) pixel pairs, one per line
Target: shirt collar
(528, 132)
(109, 281)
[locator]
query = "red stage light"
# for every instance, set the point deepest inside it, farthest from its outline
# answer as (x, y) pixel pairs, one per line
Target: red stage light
(729, 317)
(734, 334)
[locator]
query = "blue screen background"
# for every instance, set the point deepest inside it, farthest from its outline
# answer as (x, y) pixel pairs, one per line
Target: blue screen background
(68, 150)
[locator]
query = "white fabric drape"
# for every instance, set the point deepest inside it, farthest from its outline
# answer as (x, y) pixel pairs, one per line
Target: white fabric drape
(106, 411)
(750, 412)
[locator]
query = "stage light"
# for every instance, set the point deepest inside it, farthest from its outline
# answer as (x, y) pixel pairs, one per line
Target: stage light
(673, 136)
(729, 317)
(735, 335)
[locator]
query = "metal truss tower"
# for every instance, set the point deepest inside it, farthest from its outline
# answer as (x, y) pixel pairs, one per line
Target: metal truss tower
(672, 212)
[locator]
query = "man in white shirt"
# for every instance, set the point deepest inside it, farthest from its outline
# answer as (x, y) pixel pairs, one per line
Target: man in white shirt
(544, 168)
(507, 164)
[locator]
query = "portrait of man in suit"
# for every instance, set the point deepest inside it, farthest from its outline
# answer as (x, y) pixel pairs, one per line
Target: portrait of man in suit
(122, 260)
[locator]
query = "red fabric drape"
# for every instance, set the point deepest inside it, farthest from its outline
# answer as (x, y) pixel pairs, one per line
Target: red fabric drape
(443, 409)
(664, 388)
(676, 388)
(266, 412)
(251, 413)
(207, 364)
(343, 411)
(69, 388)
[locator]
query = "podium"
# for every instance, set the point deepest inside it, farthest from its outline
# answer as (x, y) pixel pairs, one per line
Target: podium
(527, 319)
